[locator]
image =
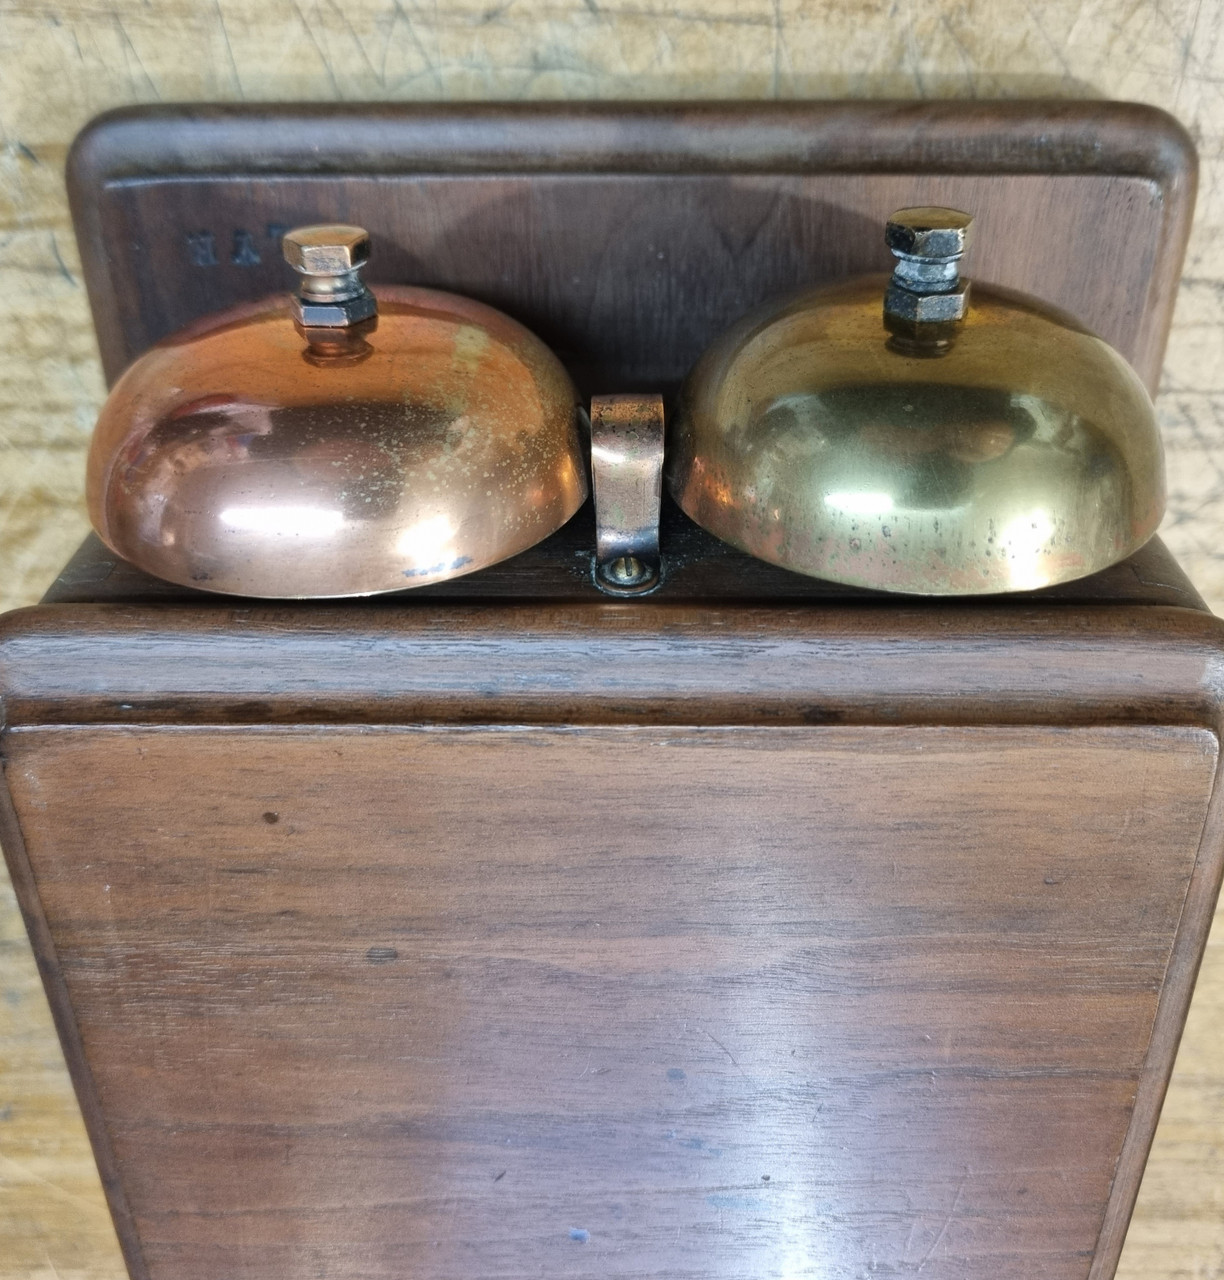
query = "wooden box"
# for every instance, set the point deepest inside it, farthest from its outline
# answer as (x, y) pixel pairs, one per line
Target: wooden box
(758, 928)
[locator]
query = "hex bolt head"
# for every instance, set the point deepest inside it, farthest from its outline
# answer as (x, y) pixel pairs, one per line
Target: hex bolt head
(929, 232)
(331, 249)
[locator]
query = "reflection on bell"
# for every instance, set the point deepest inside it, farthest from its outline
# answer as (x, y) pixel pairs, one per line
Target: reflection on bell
(913, 435)
(337, 443)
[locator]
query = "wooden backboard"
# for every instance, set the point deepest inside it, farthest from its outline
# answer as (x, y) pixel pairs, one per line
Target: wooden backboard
(629, 236)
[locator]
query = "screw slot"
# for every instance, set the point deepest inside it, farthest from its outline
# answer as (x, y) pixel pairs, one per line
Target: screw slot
(626, 576)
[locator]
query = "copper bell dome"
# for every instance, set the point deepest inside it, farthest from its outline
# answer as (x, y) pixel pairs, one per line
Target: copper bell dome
(913, 435)
(339, 442)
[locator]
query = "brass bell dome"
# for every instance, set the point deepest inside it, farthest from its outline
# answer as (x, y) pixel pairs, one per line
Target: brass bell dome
(340, 442)
(911, 435)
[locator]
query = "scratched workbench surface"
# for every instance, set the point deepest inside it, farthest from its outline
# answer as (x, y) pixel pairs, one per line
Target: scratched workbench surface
(62, 63)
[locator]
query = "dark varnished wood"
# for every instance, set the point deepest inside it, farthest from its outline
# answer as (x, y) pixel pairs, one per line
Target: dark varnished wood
(988, 712)
(760, 927)
(628, 237)
(608, 663)
(733, 1027)
(21, 875)
(697, 566)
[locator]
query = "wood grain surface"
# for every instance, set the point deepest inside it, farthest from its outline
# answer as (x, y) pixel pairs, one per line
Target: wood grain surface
(608, 721)
(609, 663)
(630, 237)
(617, 1002)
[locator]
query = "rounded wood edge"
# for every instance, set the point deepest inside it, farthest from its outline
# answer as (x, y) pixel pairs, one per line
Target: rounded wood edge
(1177, 991)
(50, 971)
(609, 664)
(1043, 135)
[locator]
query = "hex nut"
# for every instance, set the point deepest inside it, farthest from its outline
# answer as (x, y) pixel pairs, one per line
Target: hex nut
(928, 232)
(925, 308)
(331, 315)
(331, 249)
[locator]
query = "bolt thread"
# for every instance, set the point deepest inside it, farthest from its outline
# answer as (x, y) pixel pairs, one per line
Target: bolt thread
(337, 288)
(926, 275)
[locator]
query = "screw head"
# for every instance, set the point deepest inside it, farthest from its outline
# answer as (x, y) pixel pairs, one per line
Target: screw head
(627, 571)
(330, 249)
(627, 575)
(929, 232)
